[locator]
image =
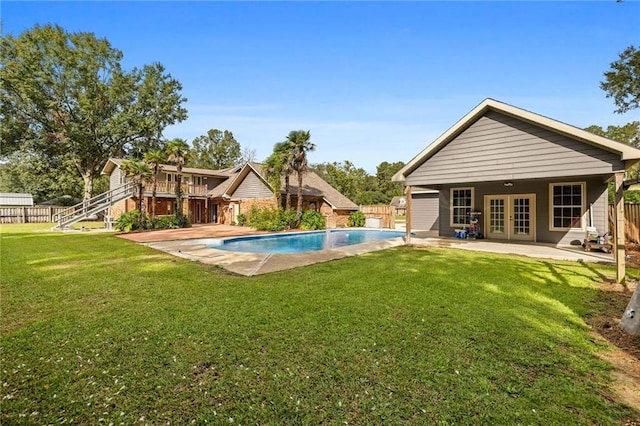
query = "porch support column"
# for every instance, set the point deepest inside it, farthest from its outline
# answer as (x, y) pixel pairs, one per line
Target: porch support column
(618, 215)
(407, 194)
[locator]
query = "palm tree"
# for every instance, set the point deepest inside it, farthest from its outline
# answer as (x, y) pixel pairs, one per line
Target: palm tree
(177, 150)
(278, 165)
(139, 172)
(154, 159)
(300, 143)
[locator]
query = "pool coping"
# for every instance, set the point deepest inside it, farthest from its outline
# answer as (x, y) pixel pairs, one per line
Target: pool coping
(250, 264)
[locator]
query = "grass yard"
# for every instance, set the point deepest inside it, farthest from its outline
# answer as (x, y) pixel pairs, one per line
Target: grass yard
(98, 330)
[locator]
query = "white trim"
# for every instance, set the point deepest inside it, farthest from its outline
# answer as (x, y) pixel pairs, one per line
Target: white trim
(583, 210)
(509, 223)
(462, 188)
(625, 151)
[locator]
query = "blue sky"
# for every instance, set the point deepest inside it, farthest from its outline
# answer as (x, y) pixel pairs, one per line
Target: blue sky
(372, 81)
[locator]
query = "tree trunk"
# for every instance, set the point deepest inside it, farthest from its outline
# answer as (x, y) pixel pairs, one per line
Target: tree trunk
(287, 192)
(87, 177)
(141, 216)
(299, 206)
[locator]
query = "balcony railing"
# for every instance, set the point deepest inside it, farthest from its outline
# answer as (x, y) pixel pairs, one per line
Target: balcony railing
(165, 187)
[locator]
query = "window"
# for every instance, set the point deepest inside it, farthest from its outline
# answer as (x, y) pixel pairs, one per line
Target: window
(461, 205)
(171, 177)
(567, 205)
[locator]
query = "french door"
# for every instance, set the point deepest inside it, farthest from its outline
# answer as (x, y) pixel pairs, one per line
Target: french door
(510, 217)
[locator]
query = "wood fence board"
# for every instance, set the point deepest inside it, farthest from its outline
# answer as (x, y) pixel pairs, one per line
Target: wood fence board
(37, 214)
(384, 212)
(631, 222)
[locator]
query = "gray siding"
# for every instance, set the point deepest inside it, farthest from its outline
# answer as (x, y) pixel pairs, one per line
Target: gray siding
(252, 187)
(116, 178)
(425, 212)
(498, 147)
(596, 193)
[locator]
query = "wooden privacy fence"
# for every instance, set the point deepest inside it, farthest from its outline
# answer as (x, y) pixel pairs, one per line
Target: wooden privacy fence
(384, 213)
(43, 214)
(631, 222)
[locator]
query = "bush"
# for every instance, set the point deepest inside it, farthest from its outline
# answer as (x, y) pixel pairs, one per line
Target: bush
(270, 219)
(356, 219)
(170, 222)
(130, 221)
(312, 220)
(242, 219)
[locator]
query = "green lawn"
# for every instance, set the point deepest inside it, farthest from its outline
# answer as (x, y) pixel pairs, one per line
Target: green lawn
(98, 330)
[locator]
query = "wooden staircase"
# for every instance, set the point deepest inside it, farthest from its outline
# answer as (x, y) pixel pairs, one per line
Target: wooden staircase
(95, 205)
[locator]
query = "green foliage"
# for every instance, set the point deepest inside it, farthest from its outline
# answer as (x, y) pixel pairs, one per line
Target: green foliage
(270, 219)
(622, 81)
(130, 221)
(215, 150)
(312, 220)
(357, 219)
(632, 197)
(241, 219)
(65, 97)
(628, 134)
(358, 185)
(278, 167)
(134, 221)
(170, 222)
(300, 144)
(43, 177)
(384, 173)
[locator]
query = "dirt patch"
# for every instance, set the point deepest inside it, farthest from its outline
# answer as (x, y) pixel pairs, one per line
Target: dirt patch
(633, 255)
(625, 354)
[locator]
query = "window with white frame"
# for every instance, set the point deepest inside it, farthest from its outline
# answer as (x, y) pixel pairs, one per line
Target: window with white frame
(567, 202)
(461, 205)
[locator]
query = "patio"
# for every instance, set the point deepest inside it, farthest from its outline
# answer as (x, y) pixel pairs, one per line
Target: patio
(186, 243)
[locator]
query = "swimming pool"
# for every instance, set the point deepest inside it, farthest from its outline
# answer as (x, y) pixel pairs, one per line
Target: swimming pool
(301, 242)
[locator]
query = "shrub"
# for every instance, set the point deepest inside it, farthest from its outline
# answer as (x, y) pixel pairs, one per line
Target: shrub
(312, 220)
(242, 219)
(270, 219)
(169, 222)
(356, 219)
(130, 221)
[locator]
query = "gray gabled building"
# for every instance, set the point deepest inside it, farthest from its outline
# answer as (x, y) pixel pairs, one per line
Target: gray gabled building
(522, 175)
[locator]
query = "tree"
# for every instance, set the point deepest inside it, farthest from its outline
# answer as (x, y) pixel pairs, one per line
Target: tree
(277, 167)
(177, 149)
(215, 150)
(154, 159)
(248, 155)
(622, 81)
(139, 172)
(66, 95)
(384, 173)
(300, 143)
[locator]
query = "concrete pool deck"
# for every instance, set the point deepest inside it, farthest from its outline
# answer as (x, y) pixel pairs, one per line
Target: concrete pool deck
(185, 243)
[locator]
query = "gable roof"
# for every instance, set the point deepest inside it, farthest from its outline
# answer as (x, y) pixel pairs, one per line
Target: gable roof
(112, 163)
(626, 152)
(313, 186)
(398, 201)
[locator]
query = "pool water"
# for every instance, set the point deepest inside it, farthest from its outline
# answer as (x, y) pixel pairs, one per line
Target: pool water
(304, 241)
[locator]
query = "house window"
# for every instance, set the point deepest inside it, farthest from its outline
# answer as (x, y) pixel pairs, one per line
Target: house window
(461, 204)
(171, 177)
(567, 205)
